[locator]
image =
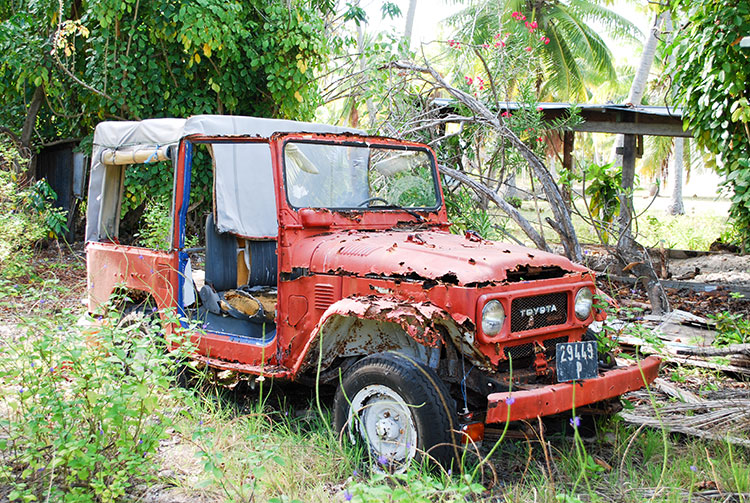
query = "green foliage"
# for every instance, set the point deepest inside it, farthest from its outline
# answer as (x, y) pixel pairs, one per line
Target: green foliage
(413, 485)
(81, 415)
(712, 85)
(137, 59)
(731, 328)
(155, 234)
(603, 184)
(465, 215)
(39, 201)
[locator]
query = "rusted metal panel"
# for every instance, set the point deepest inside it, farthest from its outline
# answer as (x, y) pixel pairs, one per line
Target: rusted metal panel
(111, 265)
(423, 322)
(557, 398)
(429, 255)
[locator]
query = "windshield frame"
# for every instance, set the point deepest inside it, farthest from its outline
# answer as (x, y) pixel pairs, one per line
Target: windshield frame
(369, 144)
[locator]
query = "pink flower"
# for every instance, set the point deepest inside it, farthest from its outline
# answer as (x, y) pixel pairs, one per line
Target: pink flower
(528, 49)
(540, 139)
(469, 80)
(497, 36)
(539, 108)
(505, 114)
(500, 44)
(534, 25)
(545, 40)
(523, 18)
(485, 46)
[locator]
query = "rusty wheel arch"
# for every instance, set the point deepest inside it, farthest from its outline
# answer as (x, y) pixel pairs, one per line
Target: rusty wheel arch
(360, 326)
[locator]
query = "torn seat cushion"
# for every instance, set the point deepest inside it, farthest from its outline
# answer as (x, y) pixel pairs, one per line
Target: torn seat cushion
(258, 304)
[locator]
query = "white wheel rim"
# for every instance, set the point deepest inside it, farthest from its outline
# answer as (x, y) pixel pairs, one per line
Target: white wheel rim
(386, 424)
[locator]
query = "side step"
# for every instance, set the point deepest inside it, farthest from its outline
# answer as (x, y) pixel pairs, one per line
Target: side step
(276, 371)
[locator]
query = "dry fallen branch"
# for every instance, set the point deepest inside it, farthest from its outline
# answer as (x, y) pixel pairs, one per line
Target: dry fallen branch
(483, 190)
(733, 349)
(563, 224)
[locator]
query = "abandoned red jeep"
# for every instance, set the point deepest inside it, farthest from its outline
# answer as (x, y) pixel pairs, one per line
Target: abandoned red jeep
(327, 259)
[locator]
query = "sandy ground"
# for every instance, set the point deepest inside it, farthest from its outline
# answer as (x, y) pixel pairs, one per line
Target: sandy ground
(714, 268)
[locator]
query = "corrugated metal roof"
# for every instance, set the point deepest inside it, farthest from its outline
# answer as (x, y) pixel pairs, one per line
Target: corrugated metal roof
(671, 112)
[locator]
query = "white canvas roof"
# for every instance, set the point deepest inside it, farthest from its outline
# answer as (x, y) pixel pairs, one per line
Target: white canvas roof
(238, 176)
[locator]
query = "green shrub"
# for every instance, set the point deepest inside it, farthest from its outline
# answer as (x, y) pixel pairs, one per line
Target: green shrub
(26, 215)
(81, 414)
(602, 187)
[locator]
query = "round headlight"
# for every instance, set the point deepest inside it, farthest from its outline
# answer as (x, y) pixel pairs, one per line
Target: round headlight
(584, 303)
(493, 316)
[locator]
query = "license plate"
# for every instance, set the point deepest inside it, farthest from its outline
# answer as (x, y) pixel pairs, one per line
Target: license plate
(577, 361)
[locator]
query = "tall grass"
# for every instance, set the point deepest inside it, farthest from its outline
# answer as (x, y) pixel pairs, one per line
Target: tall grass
(230, 442)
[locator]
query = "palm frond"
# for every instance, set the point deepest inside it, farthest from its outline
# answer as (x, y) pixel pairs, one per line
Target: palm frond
(616, 25)
(561, 65)
(585, 42)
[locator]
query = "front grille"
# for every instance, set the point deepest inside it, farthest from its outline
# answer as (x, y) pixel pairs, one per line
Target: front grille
(528, 313)
(526, 350)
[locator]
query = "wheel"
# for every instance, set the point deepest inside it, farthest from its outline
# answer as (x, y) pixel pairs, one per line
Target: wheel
(399, 409)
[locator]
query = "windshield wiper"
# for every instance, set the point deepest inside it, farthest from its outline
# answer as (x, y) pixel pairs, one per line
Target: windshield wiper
(411, 212)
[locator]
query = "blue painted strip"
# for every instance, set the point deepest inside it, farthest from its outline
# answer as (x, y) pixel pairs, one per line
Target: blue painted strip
(183, 257)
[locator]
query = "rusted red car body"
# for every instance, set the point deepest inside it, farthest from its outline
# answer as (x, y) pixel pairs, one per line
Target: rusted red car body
(349, 280)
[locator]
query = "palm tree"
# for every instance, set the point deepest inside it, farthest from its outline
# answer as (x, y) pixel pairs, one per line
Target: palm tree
(575, 49)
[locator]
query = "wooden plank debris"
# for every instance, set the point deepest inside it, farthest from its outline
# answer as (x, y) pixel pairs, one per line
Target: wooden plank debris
(682, 338)
(724, 420)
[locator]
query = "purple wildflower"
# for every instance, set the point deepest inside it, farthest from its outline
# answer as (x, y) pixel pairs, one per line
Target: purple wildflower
(200, 423)
(355, 473)
(101, 432)
(140, 257)
(347, 495)
(32, 364)
(41, 469)
(450, 472)
(575, 421)
(693, 468)
(382, 460)
(510, 400)
(20, 390)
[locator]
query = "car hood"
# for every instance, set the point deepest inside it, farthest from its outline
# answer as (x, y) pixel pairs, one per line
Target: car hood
(428, 255)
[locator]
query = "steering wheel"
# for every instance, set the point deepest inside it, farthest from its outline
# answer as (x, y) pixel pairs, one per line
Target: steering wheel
(371, 199)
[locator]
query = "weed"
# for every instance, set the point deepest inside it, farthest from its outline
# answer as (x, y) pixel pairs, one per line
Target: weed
(731, 328)
(81, 415)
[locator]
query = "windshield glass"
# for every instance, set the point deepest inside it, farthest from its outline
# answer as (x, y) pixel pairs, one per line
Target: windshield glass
(335, 176)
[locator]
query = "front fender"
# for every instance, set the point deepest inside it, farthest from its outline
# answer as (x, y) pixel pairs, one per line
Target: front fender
(367, 325)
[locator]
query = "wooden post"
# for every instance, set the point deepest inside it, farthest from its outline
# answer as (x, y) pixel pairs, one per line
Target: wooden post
(628, 153)
(568, 141)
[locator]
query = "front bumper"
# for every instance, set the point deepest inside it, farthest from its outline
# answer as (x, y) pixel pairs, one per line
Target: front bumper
(557, 398)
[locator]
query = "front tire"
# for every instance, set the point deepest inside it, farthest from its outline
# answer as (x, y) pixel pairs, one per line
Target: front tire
(399, 409)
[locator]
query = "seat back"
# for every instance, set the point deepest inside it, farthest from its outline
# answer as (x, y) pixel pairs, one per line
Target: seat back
(264, 265)
(221, 258)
